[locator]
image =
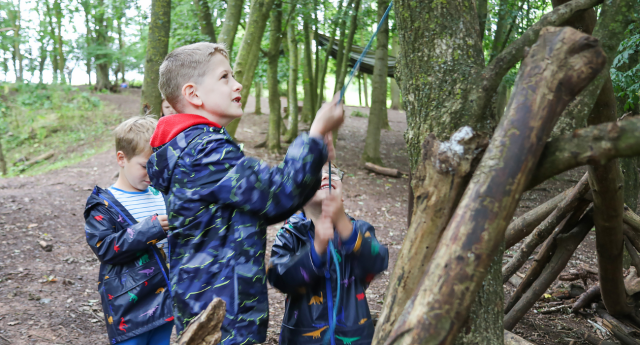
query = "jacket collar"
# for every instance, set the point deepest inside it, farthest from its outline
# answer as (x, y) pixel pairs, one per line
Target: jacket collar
(98, 196)
(170, 126)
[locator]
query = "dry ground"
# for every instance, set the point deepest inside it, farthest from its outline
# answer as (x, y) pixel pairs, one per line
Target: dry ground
(51, 298)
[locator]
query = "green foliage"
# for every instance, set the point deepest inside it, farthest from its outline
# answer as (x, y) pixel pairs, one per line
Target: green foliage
(625, 70)
(358, 113)
(38, 118)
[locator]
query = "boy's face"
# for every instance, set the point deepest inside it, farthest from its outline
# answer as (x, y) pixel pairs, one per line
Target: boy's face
(323, 191)
(167, 109)
(135, 169)
(219, 91)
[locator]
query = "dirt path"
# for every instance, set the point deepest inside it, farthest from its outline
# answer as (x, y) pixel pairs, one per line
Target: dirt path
(51, 298)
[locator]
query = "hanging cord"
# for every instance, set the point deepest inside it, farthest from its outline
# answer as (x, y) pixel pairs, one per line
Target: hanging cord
(356, 67)
(332, 325)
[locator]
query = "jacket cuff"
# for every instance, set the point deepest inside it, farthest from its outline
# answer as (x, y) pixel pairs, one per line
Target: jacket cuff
(317, 259)
(353, 240)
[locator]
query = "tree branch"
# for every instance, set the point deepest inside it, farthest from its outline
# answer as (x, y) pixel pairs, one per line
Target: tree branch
(510, 56)
(592, 145)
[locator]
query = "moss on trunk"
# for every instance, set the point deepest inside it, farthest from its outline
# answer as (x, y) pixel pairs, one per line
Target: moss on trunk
(292, 102)
(204, 19)
(275, 38)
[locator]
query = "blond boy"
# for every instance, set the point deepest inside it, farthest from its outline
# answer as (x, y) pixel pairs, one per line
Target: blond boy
(220, 201)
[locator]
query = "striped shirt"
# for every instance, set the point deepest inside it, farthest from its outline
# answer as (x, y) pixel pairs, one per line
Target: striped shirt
(142, 205)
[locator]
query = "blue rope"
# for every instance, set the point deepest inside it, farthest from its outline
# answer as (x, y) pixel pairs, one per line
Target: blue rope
(356, 67)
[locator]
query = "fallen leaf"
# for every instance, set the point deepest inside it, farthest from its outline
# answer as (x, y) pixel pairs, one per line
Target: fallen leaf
(32, 225)
(13, 323)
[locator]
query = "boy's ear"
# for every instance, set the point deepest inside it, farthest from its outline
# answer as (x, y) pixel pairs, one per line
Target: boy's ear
(190, 94)
(120, 157)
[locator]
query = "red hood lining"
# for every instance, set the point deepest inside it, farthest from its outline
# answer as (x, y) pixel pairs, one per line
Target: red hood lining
(170, 126)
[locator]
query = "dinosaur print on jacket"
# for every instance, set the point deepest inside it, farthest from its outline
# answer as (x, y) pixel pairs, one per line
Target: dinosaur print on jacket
(150, 312)
(131, 233)
(132, 297)
(143, 259)
(148, 271)
(99, 217)
(316, 334)
(160, 289)
(362, 321)
(316, 299)
(116, 247)
(304, 274)
(347, 341)
(110, 320)
(123, 325)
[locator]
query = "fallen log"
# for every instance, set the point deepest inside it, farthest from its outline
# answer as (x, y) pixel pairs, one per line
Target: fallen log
(41, 158)
(567, 244)
(619, 333)
(573, 276)
(632, 282)
(437, 185)
(631, 219)
(383, 171)
(544, 230)
(525, 224)
(612, 320)
(586, 298)
(562, 59)
(592, 339)
(545, 254)
(512, 339)
(205, 329)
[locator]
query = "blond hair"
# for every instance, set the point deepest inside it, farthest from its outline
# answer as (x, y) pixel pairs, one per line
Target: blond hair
(186, 64)
(133, 136)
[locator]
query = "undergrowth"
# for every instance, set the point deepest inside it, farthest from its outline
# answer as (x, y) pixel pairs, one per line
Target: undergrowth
(37, 119)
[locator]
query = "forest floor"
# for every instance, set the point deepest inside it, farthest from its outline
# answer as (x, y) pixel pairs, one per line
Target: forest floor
(51, 297)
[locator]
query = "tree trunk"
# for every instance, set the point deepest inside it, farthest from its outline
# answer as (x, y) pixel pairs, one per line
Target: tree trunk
(59, 42)
(258, 110)
(157, 49)
(292, 102)
(3, 162)
(323, 68)
(121, 48)
(472, 238)
(102, 65)
(481, 8)
(86, 6)
(395, 90)
(204, 19)
(378, 91)
(275, 38)
(231, 20)
(365, 81)
(309, 102)
(249, 52)
(341, 42)
(341, 72)
(15, 17)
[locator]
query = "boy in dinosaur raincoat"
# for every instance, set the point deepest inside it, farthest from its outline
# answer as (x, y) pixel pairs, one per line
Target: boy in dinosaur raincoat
(125, 225)
(219, 201)
(302, 266)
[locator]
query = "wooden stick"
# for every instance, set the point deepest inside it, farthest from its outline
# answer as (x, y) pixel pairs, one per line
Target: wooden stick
(525, 224)
(454, 275)
(619, 333)
(567, 244)
(605, 315)
(382, 170)
(586, 298)
(546, 253)
(39, 159)
(512, 339)
(545, 229)
(592, 339)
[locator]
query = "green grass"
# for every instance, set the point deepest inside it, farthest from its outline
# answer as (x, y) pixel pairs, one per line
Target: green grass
(36, 119)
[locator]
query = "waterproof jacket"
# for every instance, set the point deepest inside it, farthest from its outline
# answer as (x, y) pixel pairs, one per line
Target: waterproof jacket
(219, 204)
(311, 288)
(133, 279)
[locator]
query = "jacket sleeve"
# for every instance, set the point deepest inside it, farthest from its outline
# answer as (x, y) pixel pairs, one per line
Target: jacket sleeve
(290, 269)
(123, 246)
(368, 255)
(221, 177)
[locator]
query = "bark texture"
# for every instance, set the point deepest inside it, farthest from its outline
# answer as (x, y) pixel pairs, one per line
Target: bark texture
(341, 72)
(231, 20)
(292, 103)
(438, 184)
(204, 19)
(158, 8)
(323, 67)
(258, 109)
(471, 240)
(157, 48)
(275, 38)
(378, 111)
(308, 105)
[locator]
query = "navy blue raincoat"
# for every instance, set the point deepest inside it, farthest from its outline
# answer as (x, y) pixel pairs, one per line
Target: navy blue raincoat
(133, 280)
(311, 283)
(219, 204)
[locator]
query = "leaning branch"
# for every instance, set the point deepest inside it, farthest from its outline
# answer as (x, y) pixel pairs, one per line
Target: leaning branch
(592, 145)
(515, 52)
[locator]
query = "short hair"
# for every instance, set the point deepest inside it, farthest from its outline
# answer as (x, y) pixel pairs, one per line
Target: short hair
(133, 135)
(186, 64)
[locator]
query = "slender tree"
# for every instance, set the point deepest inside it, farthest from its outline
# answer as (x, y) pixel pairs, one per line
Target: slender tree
(57, 7)
(157, 49)
(258, 110)
(378, 91)
(324, 66)
(395, 90)
(292, 101)
(86, 7)
(204, 19)
(275, 39)
(231, 20)
(102, 41)
(308, 105)
(341, 73)
(341, 40)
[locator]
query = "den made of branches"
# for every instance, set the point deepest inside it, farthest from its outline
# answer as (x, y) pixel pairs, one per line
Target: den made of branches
(471, 163)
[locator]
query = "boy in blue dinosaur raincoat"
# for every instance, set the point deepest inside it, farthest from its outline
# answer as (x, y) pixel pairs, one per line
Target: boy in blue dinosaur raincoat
(302, 266)
(219, 201)
(125, 225)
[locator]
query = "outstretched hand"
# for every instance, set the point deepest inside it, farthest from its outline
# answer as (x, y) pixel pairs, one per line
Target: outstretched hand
(328, 118)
